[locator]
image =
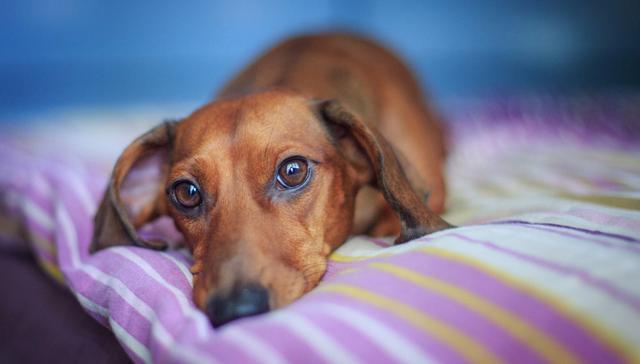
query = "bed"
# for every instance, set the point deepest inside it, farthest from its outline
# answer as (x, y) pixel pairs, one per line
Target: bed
(543, 267)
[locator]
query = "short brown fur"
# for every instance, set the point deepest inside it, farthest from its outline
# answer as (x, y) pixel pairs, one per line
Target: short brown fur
(346, 104)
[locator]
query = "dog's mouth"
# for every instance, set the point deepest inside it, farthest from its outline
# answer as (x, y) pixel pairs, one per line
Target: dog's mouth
(242, 301)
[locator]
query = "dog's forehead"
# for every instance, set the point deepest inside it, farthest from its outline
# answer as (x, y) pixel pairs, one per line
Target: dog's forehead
(250, 121)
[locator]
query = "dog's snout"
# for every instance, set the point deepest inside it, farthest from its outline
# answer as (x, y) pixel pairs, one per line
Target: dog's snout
(243, 301)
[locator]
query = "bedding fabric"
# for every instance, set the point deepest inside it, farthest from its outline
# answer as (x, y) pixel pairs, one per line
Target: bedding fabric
(544, 266)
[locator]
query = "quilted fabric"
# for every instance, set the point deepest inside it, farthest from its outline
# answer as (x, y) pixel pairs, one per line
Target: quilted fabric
(543, 268)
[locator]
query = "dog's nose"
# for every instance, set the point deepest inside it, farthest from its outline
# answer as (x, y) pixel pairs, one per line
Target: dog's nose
(247, 300)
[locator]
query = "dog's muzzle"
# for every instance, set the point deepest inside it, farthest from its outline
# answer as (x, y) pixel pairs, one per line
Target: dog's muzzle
(242, 301)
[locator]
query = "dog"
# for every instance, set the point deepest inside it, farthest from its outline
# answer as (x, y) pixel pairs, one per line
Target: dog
(323, 136)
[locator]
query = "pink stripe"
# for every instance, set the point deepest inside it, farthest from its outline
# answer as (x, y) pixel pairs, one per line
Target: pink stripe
(486, 333)
(439, 351)
(31, 225)
(220, 348)
(43, 234)
(349, 338)
(278, 338)
(530, 309)
(123, 313)
(117, 266)
(166, 268)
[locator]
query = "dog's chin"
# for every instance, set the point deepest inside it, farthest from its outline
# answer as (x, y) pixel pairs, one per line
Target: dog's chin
(284, 294)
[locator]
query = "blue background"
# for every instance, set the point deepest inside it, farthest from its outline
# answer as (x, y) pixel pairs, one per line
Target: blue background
(67, 53)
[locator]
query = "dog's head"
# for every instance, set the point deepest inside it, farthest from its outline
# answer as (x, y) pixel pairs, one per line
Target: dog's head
(263, 190)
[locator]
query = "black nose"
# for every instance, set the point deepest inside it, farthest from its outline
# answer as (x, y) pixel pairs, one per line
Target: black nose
(243, 301)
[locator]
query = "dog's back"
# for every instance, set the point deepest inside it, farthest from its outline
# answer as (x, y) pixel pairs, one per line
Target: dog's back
(350, 68)
(376, 84)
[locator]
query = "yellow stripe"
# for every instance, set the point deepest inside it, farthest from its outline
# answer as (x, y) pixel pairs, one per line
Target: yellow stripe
(42, 242)
(605, 336)
(629, 203)
(527, 334)
(340, 258)
(52, 270)
(459, 341)
(610, 339)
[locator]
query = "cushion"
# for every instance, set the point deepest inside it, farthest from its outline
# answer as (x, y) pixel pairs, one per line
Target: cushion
(543, 266)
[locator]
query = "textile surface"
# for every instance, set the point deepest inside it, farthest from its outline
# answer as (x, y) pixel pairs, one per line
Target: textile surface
(543, 266)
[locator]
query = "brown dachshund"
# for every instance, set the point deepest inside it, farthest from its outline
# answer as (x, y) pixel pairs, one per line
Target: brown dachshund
(322, 137)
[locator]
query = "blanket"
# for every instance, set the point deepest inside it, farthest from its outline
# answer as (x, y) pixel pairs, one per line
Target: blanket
(544, 266)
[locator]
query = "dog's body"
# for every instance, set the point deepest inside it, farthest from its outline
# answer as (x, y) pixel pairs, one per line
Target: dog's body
(372, 82)
(262, 182)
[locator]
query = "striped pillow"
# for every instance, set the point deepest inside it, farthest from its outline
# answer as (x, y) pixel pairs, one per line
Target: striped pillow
(545, 267)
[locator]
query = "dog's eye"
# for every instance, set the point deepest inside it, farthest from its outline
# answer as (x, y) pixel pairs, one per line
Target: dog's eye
(187, 194)
(293, 172)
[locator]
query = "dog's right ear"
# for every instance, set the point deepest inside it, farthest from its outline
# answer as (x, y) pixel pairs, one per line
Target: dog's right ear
(135, 194)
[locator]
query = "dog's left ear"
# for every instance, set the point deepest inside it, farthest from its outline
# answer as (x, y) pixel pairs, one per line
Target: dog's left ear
(135, 194)
(388, 176)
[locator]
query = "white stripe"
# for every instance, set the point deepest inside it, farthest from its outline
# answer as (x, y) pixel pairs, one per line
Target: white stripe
(200, 321)
(134, 345)
(253, 346)
(38, 215)
(393, 343)
(360, 247)
(123, 336)
(183, 267)
(92, 306)
(31, 210)
(181, 352)
(319, 341)
(82, 193)
(573, 253)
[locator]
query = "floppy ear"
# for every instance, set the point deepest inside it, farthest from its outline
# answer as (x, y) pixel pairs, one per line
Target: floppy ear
(135, 194)
(388, 176)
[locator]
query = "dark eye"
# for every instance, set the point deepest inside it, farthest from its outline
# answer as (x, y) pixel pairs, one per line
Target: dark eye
(187, 194)
(293, 172)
